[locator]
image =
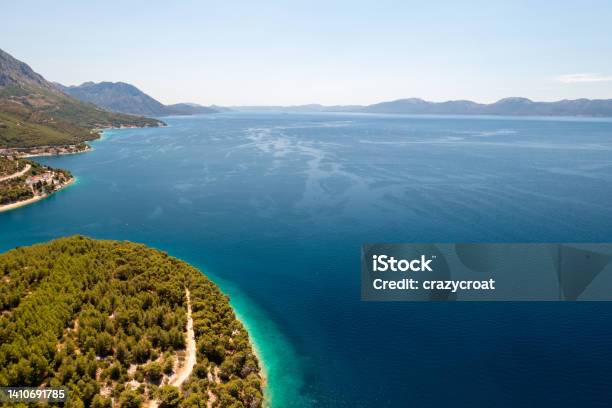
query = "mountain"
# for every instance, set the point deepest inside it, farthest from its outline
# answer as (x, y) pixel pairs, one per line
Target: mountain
(506, 107)
(116, 97)
(34, 112)
(415, 106)
(16, 73)
(221, 108)
(188, 109)
(126, 98)
(310, 108)
(419, 106)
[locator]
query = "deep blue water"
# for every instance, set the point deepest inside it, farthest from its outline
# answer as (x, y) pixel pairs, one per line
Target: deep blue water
(275, 207)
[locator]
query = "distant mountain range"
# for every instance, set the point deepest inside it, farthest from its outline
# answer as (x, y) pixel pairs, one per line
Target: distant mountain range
(126, 98)
(34, 112)
(503, 107)
(506, 107)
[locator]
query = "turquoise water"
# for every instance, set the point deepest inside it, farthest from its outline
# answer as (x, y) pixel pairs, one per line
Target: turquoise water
(274, 207)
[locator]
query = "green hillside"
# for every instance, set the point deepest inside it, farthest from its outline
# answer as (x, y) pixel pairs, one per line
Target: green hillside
(107, 319)
(17, 132)
(34, 112)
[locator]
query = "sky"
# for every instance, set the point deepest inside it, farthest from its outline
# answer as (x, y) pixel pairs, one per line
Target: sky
(330, 52)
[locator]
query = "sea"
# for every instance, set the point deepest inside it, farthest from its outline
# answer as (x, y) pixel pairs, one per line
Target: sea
(274, 207)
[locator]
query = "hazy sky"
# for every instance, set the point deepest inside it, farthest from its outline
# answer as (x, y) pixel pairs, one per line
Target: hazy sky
(332, 52)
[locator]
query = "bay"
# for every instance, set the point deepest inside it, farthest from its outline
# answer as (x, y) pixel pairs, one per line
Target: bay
(274, 207)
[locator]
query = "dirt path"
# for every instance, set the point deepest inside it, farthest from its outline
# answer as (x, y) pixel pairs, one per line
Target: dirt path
(18, 174)
(181, 375)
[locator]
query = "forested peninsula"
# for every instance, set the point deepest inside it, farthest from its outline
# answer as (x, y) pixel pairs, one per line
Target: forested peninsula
(121, 325)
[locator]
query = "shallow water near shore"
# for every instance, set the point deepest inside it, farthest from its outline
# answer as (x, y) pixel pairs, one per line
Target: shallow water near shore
(274, 208)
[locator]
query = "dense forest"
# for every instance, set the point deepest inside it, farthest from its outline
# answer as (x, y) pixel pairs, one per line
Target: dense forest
(108, 320)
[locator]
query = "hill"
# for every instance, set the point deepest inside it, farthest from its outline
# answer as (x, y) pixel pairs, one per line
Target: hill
(34, 112)
(126, 98)
(112, 322)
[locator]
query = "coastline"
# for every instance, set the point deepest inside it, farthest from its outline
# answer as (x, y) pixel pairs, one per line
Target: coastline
(16, 152)
(263, 368)
(23, 203)
(103, 129)
(241, 305)
(65, 150)
(281, 381)
(265, 339)
(25, 156)
(43, 151)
